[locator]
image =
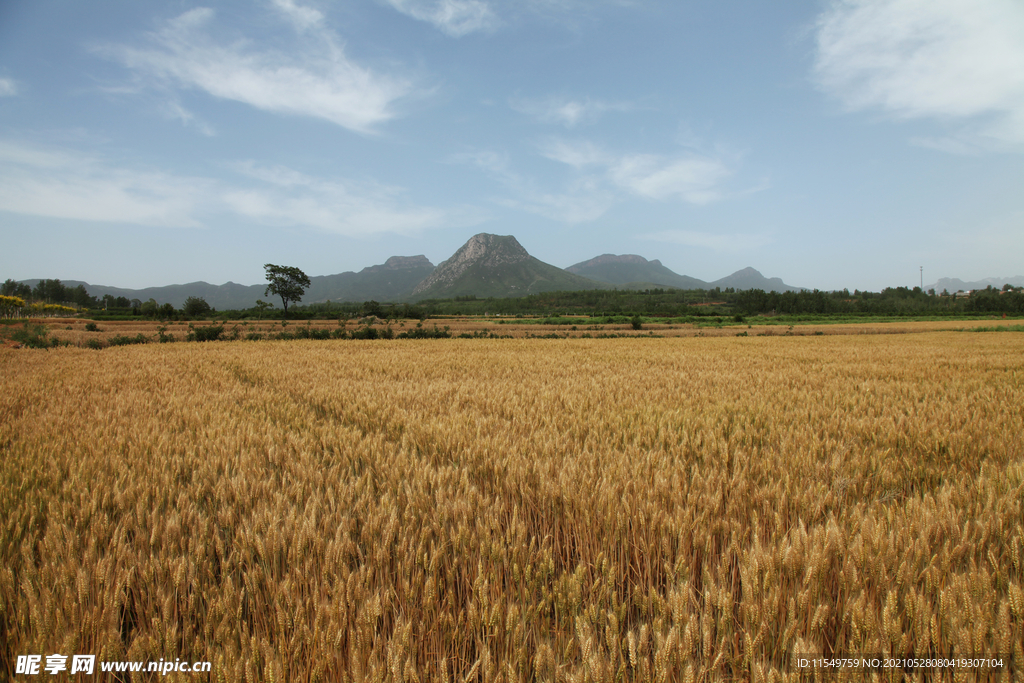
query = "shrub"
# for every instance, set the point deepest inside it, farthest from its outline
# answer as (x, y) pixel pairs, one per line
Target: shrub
(637, 323)
(94, 344)
(33, 336)
(125, 340)
(419, 332)
(365, 333)
(205, 333)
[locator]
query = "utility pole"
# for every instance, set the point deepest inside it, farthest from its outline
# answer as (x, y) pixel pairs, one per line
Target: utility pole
(922, 278)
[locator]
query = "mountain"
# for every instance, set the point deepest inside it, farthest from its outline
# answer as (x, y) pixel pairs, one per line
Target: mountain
(487, 265)
(954, 285)
(748, 278)
(227, 296)
(630, 268)
(498, 266)
(393, 280)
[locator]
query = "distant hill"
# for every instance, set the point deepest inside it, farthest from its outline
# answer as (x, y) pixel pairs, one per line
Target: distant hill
(394, 280)
(748, 278)
(222, 297)
(485, 266)
(391, 281)
(631, 270)
(954, 285)
(628, 269)
(498, 266)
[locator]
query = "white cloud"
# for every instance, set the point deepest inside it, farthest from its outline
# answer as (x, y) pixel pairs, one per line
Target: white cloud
(454, 17)
(950, 60)
(70, 185)
(317, 80)
(710, 240)
(567, 112)
(494, 163)
(7, 87)
(584, 200)
(602, 179)
(693, 178)
(304, 18)
(582, 203)
(62, 184)
(174, 110)
(288, 197)
(458, 18)
(574, 153)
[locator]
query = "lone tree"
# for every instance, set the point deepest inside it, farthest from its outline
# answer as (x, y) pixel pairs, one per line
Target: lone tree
(262, 306)
(196, 307)
(288, 282)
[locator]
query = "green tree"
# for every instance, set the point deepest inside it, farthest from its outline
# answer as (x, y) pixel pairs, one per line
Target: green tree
(50, 291)
(372, 308)
(18, 289)
(196, 307)
(262, 306)
(80, 296)
(287, 282)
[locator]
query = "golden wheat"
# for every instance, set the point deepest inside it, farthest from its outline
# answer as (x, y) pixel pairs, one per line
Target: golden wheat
(514, 510)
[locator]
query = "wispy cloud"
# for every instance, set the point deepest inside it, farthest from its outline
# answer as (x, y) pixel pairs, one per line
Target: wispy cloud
(453, 17)
(63, 184)
(7, 87)
(288, 197)
(458, 18)
(566, 111)
(173, 110)
(575, 153)
(67, 184)
(582, 201)
(315, 80)
(303, 18)
(691, 177)
(601, 179)
(951, 60)
(711, 240)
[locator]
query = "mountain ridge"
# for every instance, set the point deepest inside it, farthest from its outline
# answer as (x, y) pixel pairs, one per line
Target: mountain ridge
(496, 265)
(954, 285)
(628, 269)
(485, 266)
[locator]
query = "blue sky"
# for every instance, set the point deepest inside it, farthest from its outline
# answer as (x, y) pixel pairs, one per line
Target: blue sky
(833, 144)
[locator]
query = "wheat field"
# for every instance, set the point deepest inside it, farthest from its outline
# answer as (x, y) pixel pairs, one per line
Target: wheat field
(675, 509)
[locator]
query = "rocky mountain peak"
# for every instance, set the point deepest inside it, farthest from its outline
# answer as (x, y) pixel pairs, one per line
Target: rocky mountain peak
(483, 249)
